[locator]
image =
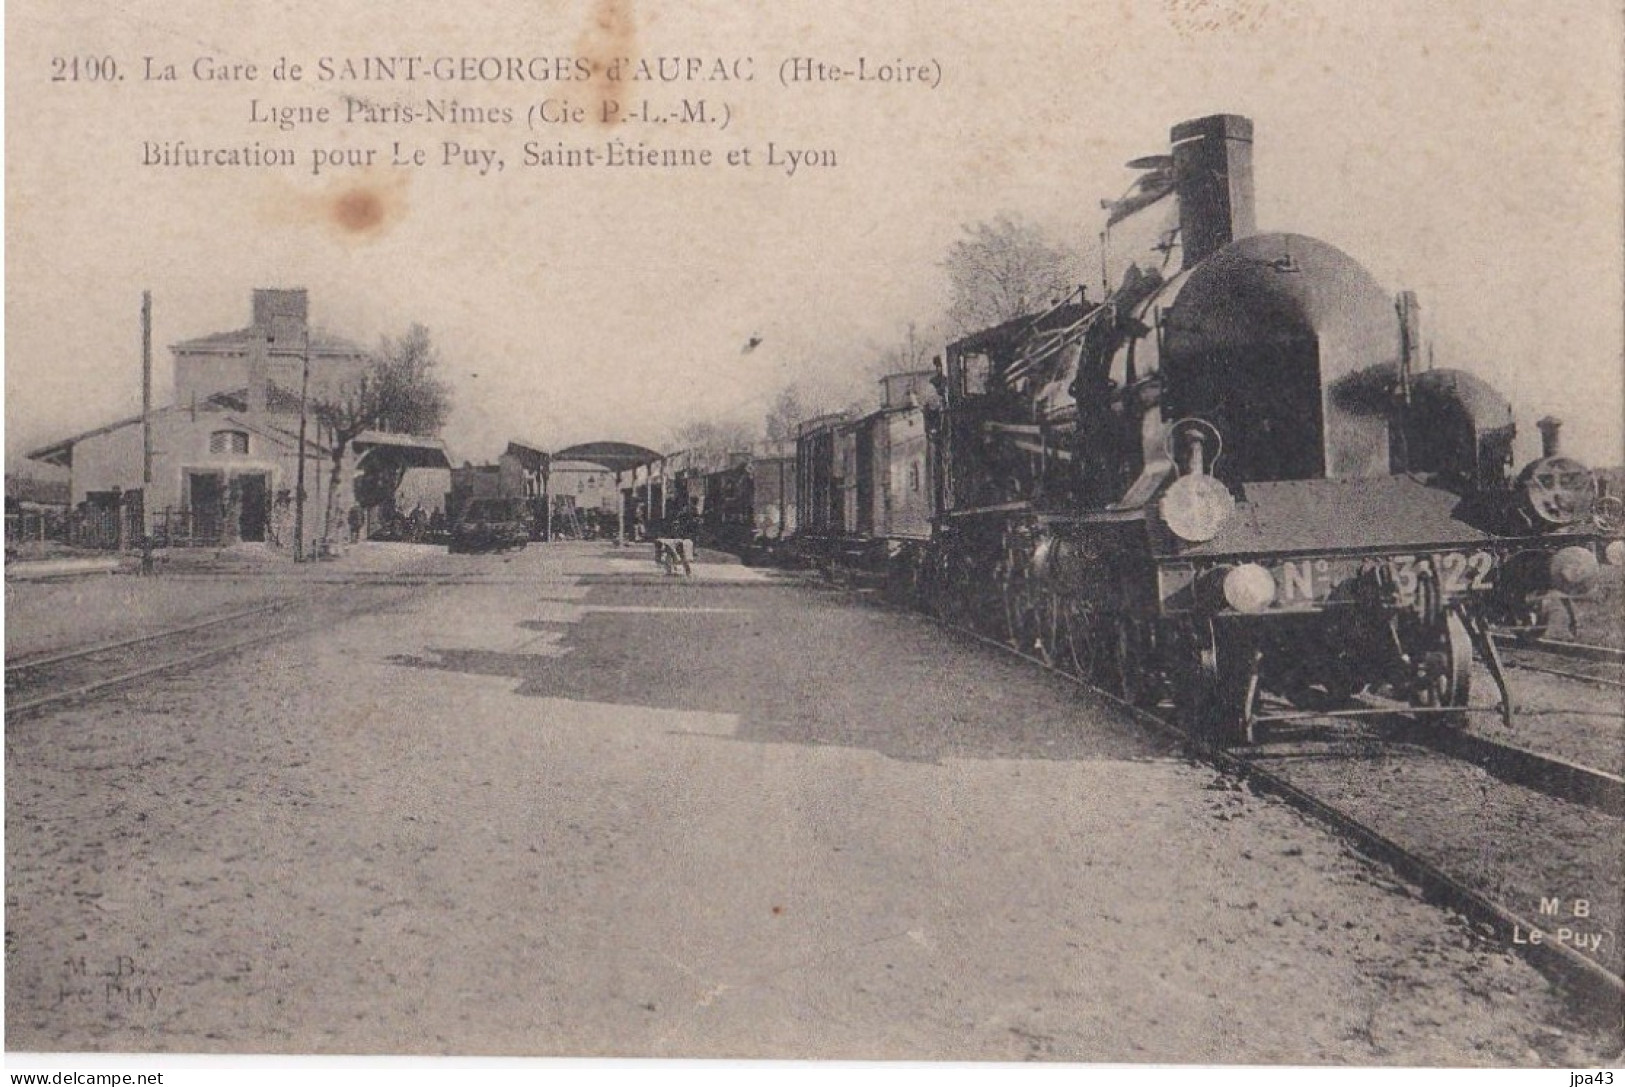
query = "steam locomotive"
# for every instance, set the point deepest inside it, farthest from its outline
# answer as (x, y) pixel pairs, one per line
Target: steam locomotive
(1232, 477)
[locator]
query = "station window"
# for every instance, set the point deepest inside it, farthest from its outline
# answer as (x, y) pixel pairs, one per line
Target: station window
(913, 475)
(228, 441)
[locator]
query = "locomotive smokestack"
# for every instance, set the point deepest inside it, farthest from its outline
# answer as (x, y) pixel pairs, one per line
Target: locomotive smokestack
(1549, 427)
(1213, 172)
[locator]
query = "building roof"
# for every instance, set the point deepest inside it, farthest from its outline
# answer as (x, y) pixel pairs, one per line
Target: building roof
(321, 343)
(60, 452)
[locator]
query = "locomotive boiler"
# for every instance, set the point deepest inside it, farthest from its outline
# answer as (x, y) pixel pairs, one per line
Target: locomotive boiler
(1237, 475)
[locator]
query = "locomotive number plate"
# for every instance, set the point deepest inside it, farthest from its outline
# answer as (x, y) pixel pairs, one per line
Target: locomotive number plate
(1458, 572)
(1314, 581)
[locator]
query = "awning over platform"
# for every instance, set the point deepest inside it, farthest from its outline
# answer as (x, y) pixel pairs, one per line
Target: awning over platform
(530, 458)
(409, 450)
(616, 456)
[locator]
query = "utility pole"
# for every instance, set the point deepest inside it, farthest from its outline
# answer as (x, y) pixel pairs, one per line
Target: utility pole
(299, 486)
(146, 428)
(146, 394)
(547, 501)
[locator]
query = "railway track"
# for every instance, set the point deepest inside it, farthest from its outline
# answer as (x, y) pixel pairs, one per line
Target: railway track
(43, 681)
(1600, 665)
(1524, 829)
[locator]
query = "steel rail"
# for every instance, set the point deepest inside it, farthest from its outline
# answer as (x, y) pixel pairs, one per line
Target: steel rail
(1579, 677)
(1555, 777)
(106, 647)
(29, 706)
(1574, 651)
(122, 678)
(1605, 654)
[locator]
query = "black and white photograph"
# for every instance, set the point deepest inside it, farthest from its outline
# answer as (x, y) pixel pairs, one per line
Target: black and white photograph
(1069, 532)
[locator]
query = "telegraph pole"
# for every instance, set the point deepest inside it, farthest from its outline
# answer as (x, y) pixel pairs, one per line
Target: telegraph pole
(547, 501)
(146, 394)
(299, 486)
(146, 429)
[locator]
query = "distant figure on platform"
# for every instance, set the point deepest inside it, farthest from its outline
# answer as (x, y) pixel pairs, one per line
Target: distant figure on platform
(357, 518)
(281, 527)
(671, 553)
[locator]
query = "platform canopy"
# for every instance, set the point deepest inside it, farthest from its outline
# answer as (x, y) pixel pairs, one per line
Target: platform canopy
(530, 458)
(405, 450)
(616, 456)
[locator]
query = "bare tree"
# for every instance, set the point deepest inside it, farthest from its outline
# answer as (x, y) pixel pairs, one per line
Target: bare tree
(912, 351)
(1004, 269)
(713, 436)
(397, 392)
(787, 412)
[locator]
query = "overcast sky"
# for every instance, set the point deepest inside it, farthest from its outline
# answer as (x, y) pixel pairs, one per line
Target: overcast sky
(1469, 151)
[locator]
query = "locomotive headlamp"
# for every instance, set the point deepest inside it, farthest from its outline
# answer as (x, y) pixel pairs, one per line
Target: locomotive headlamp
(1614, 553)
(1249, 587)
(1195, 507)
(1573, 569)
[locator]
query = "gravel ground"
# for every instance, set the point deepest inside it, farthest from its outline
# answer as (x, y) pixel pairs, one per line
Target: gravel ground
(1594, 737)
(1600, 617)
(720, 817)
(1512, 844)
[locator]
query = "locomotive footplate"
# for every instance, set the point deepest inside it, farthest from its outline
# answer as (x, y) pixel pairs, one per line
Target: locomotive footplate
(1320, 628)
(1312, 582)
(1502, 571)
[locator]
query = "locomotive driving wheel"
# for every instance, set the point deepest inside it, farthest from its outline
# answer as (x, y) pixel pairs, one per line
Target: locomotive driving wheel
(1009, 592)
(947, 583)
(1444, 668)
(1125, 668)
(1024, 609)
(1072, 637)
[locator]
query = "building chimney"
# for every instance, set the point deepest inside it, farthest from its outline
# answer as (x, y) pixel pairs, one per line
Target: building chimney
(1549, 427)
(278, 307)
(280, 319)
(1213, 175)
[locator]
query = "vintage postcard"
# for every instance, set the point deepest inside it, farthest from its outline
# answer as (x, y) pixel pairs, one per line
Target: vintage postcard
(1069, 532)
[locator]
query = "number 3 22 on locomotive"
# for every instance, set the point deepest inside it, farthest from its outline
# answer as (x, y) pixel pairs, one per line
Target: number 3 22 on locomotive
(1301, 582)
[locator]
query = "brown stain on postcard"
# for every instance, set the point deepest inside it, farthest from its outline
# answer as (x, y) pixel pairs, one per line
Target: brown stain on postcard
(358, 211)
(609, 45)
(358, 207)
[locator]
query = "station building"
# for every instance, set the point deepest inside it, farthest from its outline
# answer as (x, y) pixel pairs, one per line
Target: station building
(226, 451)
